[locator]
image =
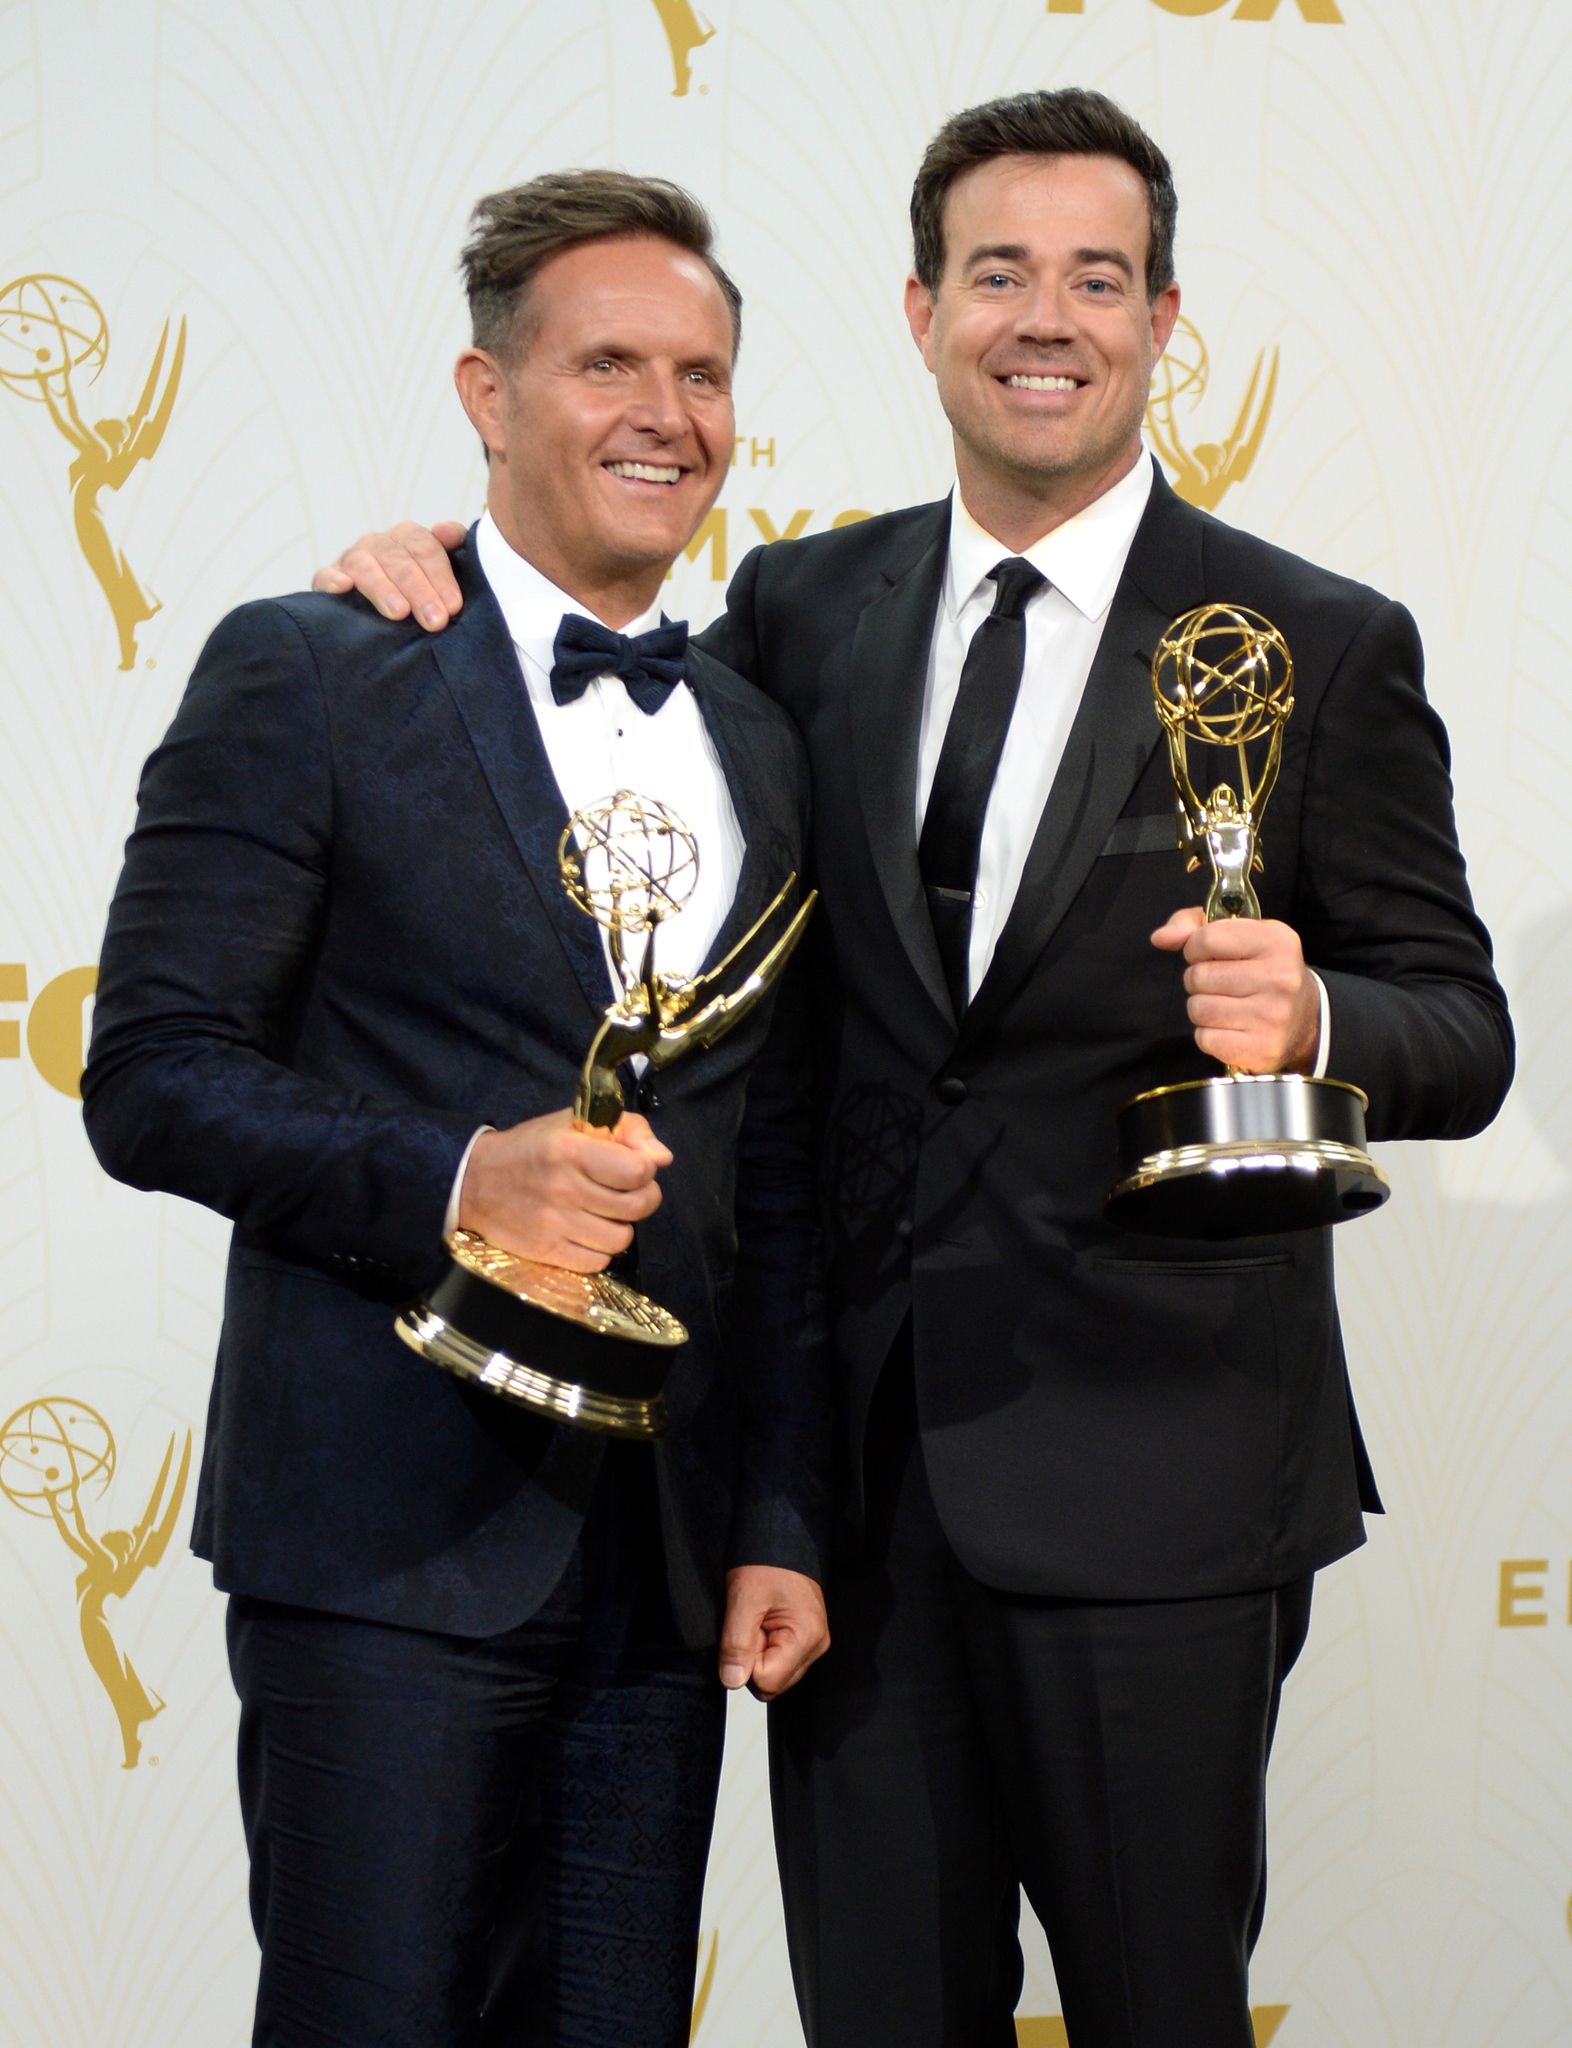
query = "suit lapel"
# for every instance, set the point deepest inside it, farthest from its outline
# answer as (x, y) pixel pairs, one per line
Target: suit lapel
(888, 672)
(1111, 740)
(481, 668)
(765, 859)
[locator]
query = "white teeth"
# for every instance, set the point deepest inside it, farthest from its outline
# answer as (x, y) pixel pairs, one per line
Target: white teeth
(1041, 383)
(644, 472)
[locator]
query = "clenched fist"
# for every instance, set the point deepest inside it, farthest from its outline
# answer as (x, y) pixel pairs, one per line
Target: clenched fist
(1254, 1003)
(568, 1197)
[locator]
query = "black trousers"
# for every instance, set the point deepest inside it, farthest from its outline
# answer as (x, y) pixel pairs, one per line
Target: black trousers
(457, 1842)
(959, 1744)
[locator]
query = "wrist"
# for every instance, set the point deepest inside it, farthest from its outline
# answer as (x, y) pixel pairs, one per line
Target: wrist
(1306, 1044)
(468, 1207)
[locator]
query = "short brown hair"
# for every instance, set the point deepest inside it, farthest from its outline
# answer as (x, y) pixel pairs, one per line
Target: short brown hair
(1071, 122)
(512, 233)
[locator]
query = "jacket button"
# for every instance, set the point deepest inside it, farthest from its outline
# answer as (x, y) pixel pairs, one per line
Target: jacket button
(951, 1089)
(903, 1229)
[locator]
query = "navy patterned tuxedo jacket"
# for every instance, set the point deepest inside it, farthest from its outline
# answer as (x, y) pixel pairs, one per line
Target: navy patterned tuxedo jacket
(338, 945)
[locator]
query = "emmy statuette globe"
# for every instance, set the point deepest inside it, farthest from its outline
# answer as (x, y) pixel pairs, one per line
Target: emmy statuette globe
(1240, 1154)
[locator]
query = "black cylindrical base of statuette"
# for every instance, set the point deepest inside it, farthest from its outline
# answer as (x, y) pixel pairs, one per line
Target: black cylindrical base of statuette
(585, 1360)
(1243, 1155)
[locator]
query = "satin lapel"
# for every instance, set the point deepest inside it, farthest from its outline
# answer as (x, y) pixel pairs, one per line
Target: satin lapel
(1110, 743)
(481, 669)
(766, 861)
(888, 673)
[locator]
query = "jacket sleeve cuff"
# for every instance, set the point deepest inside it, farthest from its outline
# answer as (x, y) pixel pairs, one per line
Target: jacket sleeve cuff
(775, 1532)
(450, 1218)
(1323, 1048)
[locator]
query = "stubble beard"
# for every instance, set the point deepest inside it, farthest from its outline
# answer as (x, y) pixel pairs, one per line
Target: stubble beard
(1048, 471)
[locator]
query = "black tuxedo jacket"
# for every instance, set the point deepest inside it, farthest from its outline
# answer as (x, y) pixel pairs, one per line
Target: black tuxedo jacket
(1105, 1416)
(338, 945)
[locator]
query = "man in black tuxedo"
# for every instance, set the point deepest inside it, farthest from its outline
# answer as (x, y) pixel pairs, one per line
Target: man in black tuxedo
(343, 999)
(1087, 1477)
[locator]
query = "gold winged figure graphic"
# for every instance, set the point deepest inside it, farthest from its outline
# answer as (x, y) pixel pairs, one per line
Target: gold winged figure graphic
(685, 35)
(50, 1451)
(51, 331)
(1204, 474)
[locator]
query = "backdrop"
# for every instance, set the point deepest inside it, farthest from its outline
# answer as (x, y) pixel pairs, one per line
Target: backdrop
(228, 310)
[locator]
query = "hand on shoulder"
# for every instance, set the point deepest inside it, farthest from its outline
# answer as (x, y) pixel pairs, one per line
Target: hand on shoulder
(403, 572)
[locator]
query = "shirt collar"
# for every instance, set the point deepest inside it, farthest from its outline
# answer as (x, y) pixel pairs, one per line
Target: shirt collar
(1084, 558)
(532, 605)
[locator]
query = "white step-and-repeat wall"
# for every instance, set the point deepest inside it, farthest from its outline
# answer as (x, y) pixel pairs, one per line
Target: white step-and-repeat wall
(239, 219)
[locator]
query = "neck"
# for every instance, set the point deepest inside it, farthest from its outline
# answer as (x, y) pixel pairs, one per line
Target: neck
(1019, 508)
(615, 592)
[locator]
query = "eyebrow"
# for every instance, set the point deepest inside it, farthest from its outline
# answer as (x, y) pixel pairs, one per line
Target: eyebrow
(997, 252)
(1116, 257)
(1017, 252)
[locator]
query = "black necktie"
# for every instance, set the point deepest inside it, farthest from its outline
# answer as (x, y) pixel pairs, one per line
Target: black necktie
(650, 664)
(968, 761)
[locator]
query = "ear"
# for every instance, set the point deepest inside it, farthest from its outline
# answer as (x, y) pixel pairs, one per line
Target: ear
(482, 390)
(1165, 311)
(919, 317)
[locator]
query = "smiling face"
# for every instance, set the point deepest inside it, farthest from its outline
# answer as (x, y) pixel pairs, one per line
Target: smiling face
(1041, 336)
(611, 433)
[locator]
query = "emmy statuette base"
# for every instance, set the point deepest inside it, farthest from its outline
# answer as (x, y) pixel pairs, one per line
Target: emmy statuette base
(580, 1348)
(562, 1400)
(1243, 1155)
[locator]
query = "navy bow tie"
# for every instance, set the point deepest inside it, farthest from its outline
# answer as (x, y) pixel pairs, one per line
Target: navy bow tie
(650, 664)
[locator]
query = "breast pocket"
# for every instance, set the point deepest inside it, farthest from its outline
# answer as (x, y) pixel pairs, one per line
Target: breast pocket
(1252, 1262)
(1157, 832)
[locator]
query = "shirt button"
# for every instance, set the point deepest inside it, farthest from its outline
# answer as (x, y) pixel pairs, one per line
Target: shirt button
(980, 899)
(952, 1089)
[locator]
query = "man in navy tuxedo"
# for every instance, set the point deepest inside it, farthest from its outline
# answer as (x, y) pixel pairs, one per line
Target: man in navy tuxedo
(343, 1001)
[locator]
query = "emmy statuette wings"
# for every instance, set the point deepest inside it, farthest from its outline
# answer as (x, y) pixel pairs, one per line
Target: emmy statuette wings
(586, 1348)
(1239, 1155)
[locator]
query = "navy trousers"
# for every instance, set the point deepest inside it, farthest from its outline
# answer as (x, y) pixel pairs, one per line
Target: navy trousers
(959, 1745)
(501, 1841)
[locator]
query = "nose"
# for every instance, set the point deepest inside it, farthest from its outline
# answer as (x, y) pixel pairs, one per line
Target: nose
(657, 407)
(1047, 315)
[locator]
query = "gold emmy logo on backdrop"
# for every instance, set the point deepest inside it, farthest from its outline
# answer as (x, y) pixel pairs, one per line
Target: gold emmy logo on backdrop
(51, 1452)
(54, 337)
(701, 1997)
(1204, 474)
(685, 35)
(1050, 2033)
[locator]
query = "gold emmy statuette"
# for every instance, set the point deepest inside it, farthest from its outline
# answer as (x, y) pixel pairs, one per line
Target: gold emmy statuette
(1204, 474)
(1240, 1155)
(53, 336)
(585, 1348)
(51, 1452)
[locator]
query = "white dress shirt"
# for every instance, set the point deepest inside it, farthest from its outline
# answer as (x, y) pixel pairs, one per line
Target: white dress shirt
(1082, 560)
(603, 742)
